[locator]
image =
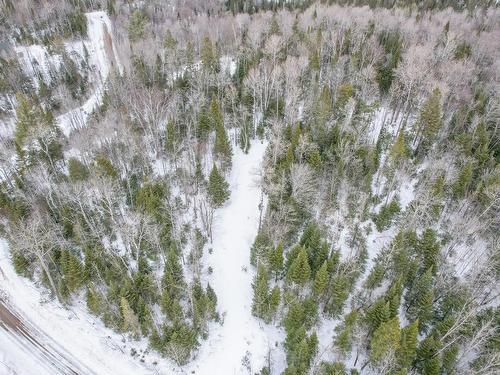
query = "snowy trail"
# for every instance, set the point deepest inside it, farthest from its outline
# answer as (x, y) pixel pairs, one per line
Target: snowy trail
(235, 228)
(103, 56)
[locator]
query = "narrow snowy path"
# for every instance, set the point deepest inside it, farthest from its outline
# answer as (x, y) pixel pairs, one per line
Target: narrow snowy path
(102, 57)
(235, 228)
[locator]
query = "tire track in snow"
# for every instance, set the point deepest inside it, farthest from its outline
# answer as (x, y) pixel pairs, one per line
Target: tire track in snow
(39, 345)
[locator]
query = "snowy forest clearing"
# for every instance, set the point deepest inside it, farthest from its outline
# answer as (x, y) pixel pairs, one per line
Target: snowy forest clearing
(236, 225)
(84, 337)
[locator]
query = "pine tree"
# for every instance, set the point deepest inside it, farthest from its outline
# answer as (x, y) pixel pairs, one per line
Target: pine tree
(300, 271)
(408, 345)
(204, 126)
(170, 140)
(378, 314)
(222, 147)
(260, 293)
(429, 249)
(77, 170)
(343, 339)
(218, 188)
(399, 150)
(385, 340)
(208, 55)
(430, 120)
(321, 279)
(138, 21)
(393, 298)
(463, 181)
(419, 300)
(105, 166)
(276, 261)
(274, 302)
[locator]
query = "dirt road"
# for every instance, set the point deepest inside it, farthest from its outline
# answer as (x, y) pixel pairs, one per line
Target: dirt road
(39, 345)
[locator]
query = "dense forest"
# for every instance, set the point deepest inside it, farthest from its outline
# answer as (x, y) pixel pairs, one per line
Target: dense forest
(378, 246)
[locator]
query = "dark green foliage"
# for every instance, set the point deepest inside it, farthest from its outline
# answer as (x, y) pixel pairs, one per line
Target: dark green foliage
(428, 248)
(408, 345)
(385, 339)
(386, 215)
(260, 248)
(260, 287)
(77, 170)
(419, 299)
(463, 50)
(72, 271)
(105, 166)
(343, 338)
(378, 313)
(149, 198)
(462, 183)
(276, 261)
(430, 120)
(300, 271)
(218, 188)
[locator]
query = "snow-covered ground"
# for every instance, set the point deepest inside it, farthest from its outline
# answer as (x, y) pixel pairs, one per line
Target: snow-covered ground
(102, 55)
(87, 346)
(70, 334)
(235, 228)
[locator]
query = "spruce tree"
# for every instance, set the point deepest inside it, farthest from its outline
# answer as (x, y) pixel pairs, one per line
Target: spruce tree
(385, 340)
(461, 185)
(260, 287)
(222, 147)
(170, 138)
(276, 261)
(321, 280)
(399, 149)
(429, 249)
(300, 271)
(378, 314)
(419, 300)
(218, 188)
(274, 302)
(430, 120)
(408, 345)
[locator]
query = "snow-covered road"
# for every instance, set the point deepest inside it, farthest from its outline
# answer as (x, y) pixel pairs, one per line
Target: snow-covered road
(235, 228)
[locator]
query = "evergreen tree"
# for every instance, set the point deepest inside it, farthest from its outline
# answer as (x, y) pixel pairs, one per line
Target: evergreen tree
(137, 24)
(463, 181)
(204, 125)
(300, 271)
(218, 188)
(430, 120)
(385, 340)
(393, 298)
(77, 170)
(274, 302)
(222, 148)
(276, 260)
(260, 287)
(429, 249)
(399, 149)
(378, 314)
(321, 279)
(170, 140)
(408, 345)
(419, 300)
(209, 55)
